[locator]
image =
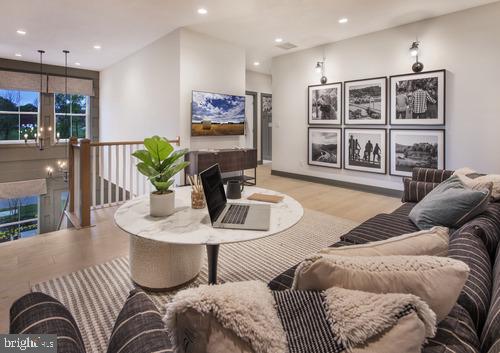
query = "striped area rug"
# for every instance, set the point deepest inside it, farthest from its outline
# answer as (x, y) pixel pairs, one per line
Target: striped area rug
(95, 295)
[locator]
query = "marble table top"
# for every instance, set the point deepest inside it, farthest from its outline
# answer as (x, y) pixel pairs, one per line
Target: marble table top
(189, 226)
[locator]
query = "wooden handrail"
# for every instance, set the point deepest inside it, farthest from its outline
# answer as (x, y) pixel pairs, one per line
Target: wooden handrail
(177, 141)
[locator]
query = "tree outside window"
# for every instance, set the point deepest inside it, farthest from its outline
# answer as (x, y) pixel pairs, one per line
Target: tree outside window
(18, 114)
(71, 115)
(18, 218)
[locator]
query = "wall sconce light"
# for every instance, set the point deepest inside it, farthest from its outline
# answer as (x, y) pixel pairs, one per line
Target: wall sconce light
(414, 50)
(320, 69)
(49, 172)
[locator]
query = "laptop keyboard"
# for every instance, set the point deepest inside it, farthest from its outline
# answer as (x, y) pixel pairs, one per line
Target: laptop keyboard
(236, 214)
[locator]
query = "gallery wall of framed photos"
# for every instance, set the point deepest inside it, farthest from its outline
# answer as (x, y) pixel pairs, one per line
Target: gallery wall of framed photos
(379, 125)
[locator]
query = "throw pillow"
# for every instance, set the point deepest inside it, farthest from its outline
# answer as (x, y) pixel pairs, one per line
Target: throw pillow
(415, 191)
(437, 280)
(475, 180)
(425, 242)
(450, 204)
(247, 317)
(139, 327)
(37, 313)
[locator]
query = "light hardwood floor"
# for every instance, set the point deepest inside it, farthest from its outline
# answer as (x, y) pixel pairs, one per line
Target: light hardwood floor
(28, 261)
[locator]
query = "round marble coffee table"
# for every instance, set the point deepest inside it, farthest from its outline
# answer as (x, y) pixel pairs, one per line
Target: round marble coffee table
(167, 252)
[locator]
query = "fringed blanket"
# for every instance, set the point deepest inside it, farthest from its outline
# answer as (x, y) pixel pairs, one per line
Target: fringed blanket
(334, 321)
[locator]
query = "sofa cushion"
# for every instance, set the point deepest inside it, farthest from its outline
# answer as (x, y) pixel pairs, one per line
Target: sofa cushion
(475, 297)
(425, 242)
(415, 191)
(139, 327)
(431, 175)
(489, 225)
(404, 209)
(455, 334)
(39, 313)
(451, 204)
(382, 226)
(437, 280)
(490, 337)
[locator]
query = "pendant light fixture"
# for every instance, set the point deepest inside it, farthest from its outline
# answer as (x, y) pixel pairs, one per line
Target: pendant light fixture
(414, 50)
(39, 135)
(63, 165)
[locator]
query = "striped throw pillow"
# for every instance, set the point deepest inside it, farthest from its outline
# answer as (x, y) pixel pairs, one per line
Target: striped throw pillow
(414, 191)
(139, 327)
(431, 175)
(39, 313)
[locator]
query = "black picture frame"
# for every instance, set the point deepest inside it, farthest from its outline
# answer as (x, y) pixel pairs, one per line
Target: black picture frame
(441, 106)
(392, 152)
(315, 122)
(337, 165)
(383, 111)
(381, 170)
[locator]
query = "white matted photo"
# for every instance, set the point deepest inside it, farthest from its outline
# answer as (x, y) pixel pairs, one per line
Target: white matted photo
(365, 102)
(324, 147)
(416, 148)
(365, 150)
(418, 99)
(325, 104)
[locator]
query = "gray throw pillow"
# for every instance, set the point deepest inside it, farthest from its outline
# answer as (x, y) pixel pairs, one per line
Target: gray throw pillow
(450, 204)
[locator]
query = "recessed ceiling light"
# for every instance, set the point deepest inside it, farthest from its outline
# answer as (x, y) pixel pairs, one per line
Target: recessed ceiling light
(97, 46)
(77, 64)
(21, 32)
(256, 63)
(278, 40)
(344, 20)
(18, 55)
(202, 11)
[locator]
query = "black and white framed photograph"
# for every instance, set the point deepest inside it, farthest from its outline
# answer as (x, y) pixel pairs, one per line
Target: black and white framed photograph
(325, 104)
(365, 102)
(324, 147)
(416, 148)
(365, 150)
(418, 99)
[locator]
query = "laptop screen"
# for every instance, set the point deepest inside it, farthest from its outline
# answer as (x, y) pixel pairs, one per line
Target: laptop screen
(213, 188)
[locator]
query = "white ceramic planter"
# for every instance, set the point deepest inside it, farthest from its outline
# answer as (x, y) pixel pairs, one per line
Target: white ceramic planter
(161, 205)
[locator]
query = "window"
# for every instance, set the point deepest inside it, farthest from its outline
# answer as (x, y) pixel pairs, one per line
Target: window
(71, 115)
(18, 114)
(18, 218)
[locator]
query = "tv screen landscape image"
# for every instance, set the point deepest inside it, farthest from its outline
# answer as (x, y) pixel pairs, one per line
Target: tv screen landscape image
(214, 114)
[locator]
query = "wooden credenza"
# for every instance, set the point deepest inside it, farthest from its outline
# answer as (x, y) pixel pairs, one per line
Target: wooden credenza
(229, 160)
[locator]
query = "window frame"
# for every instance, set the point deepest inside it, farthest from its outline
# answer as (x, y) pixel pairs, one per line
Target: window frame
(21, 222)
(19, 113)
(70, 114)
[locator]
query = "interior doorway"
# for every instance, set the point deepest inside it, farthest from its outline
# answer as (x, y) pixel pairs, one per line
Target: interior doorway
(251, 120)
(266, 114)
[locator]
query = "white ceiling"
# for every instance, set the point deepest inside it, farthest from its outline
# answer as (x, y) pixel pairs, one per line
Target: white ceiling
(122, 27)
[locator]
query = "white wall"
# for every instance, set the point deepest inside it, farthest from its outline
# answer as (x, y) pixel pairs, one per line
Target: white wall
(139, 95)
(464, 43)
(260, 83)
(212, 65)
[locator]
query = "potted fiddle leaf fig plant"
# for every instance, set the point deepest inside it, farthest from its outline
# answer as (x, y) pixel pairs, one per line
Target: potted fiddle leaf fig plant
(160, 163)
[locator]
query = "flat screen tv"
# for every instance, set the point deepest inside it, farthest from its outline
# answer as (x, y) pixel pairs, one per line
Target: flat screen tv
(215, 114)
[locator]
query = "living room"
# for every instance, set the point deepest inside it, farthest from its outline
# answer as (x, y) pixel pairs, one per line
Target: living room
(356, 139)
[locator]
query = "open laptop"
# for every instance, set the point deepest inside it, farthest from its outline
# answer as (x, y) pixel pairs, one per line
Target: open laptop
(231, 215)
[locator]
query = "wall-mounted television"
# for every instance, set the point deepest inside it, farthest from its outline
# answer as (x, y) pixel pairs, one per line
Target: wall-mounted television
(215, 114)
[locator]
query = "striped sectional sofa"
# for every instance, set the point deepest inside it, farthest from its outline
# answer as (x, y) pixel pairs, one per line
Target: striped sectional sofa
(473, 326)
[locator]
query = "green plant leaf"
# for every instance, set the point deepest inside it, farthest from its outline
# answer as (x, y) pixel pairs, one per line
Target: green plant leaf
(144, 156)
(170, 172)
(162, 186)
(158, 147)
(147, 170)
(173, 157)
